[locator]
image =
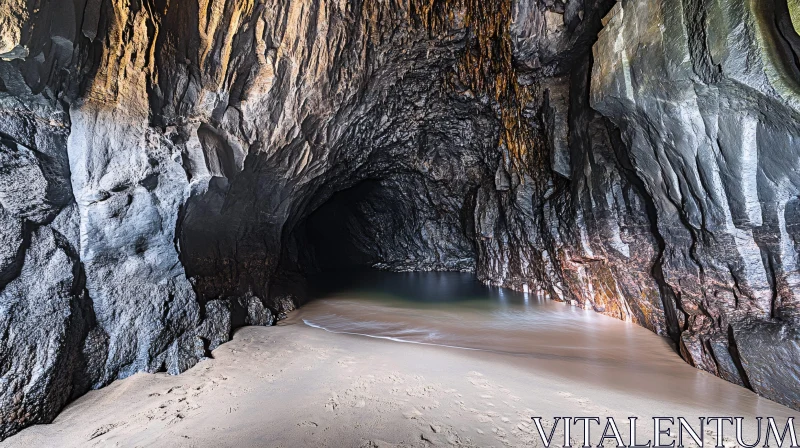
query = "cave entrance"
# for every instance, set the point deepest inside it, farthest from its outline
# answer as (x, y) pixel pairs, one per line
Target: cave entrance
(337, 234)
(402, 222)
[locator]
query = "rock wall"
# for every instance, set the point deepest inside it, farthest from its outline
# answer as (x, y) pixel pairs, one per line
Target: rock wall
(706, 96)
(168, 170)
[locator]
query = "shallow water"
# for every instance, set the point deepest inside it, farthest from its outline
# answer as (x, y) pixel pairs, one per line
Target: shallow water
(455, 310)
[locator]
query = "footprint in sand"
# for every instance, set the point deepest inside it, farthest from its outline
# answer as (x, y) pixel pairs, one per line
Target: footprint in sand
(347, 361)
(379, 444)
(105, 429)
(177, 418)
(485, 419)
(395, 377)
(412, 414)
(333, 403)
(421, 391)
(526, 414)
(477, 380)
(177, 390)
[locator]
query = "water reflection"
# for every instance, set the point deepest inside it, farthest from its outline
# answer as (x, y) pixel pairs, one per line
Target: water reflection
(455, 309)
(427, 287)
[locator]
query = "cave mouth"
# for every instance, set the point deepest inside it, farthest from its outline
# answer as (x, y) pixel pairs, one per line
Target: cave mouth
(402, 222)
(382, 239)
(335, 236)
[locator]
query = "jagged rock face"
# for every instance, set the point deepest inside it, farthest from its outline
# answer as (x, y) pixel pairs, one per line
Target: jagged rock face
(187, 142)
(708, 109)
(169, 169)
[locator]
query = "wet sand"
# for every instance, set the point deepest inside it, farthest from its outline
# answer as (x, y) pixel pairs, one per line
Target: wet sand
(460, 370)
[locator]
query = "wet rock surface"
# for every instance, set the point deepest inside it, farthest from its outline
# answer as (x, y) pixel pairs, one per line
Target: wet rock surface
(709, 120)
(170, 172)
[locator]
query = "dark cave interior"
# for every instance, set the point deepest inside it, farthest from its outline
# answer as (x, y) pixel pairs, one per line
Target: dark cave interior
(397, 223)
(335, 235)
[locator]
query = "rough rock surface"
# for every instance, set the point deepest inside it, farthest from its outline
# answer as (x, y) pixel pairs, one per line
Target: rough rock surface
(709, 111)
(170, 171)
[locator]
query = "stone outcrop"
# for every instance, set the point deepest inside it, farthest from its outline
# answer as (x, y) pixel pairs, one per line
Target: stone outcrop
(707, 100)
(170, 171)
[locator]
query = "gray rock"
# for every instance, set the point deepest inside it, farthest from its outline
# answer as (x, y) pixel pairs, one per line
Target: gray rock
(224, 316)
(141, 296)
(257, 314)
(42, 318)
(34, 183)
(286, 303)
(216, 327)
(768, 353)
(719, 166)
(23, 186)
(11, 239)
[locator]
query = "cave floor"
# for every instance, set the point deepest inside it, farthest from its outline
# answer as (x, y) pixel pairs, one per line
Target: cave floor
(297, 386)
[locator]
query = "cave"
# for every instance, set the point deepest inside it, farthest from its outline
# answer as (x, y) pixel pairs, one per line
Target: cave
(333, 234)
(342, 233)
(395, 223)
(172, 172)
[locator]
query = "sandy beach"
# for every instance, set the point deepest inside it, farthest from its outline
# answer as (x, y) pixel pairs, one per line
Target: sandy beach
(297, 386)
